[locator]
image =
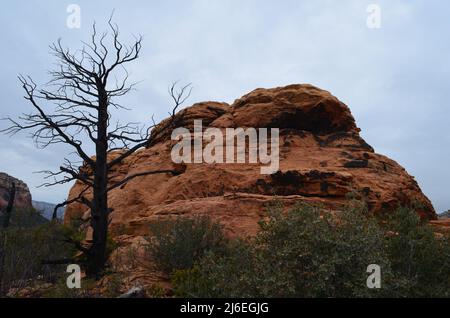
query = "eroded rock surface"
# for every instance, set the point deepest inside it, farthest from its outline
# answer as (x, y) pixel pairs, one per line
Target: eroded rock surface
(23, 196)
(323, 159)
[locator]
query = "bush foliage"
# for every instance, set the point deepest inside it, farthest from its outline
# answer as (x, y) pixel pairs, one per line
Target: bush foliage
(306, 253)
(25, 250)
(178, 243)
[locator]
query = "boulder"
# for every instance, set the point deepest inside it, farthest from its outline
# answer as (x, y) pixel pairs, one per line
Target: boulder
(323, 160)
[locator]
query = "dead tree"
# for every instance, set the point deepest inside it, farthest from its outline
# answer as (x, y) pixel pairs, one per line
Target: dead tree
(82, 90)
(10, 206)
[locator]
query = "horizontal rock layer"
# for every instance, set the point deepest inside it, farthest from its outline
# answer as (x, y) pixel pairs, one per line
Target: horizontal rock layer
(323, 160)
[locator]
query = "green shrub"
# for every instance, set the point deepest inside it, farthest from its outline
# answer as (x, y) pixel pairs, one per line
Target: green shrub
(177, 244)
(306, 253)
(24, 250)
(25, 218)
(420, 260)
(156, 291)
(230, 274)
(298, 254)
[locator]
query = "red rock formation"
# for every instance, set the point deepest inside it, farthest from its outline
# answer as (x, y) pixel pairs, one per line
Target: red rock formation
(323, 160)
(441, 225)
(23, 195)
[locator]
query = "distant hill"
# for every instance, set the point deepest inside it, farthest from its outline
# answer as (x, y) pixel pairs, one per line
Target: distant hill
(23, 213)
(444, 215)
(25, 218)
(46, 209)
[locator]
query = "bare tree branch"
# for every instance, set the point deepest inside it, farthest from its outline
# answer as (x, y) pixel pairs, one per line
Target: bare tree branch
(80, 198)
(74, 108)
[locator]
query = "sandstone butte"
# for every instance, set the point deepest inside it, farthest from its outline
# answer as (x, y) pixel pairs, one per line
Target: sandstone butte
(323, 160)
(22, 198)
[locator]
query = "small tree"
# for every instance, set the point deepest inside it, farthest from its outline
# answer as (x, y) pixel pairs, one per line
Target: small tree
(82, 93)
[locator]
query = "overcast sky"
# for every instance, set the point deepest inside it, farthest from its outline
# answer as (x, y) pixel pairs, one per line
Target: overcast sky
(395, 79)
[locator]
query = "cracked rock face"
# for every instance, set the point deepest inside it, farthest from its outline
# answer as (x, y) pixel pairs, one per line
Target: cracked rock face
(323, 160)
(23, 196)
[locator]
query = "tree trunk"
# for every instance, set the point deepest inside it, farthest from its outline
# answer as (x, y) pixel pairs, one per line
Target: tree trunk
(9, 207)
(99, 213)
(3, 238)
